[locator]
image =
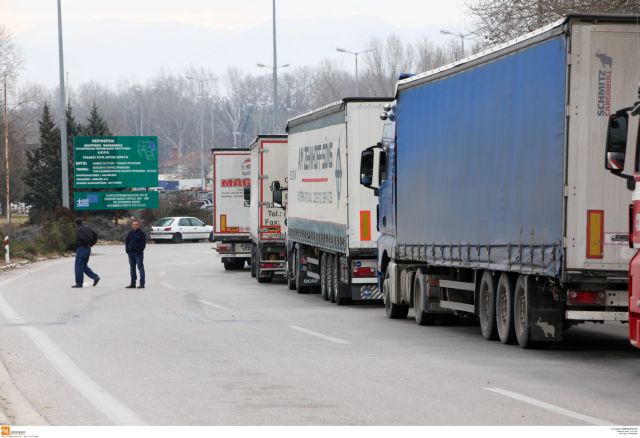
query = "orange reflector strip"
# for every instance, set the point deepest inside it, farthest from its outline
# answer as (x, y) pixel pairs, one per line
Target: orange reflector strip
(223, 223)
(595, 234)
(365, 225)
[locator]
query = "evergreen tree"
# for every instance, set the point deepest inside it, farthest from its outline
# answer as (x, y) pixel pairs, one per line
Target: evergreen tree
(74, 128)
(43, 175)
(96, 125)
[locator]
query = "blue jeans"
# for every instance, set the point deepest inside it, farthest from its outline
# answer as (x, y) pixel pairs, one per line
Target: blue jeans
(82, 265)
(136, 259)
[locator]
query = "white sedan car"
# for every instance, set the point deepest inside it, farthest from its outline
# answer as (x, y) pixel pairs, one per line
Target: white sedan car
(177, 229)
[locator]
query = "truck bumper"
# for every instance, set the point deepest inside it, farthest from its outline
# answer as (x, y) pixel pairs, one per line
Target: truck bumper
(365, 292)
(589, 315)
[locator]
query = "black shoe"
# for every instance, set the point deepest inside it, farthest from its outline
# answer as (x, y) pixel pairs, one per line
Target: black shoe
(131, 286)
(75, 286)
(95, 282)
(141, 286)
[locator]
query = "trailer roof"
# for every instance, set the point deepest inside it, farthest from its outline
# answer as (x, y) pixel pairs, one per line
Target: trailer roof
(267, 137)
(332, 108)
(499, 50)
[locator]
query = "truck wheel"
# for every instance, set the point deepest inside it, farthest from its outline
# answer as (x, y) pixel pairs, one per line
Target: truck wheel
(521, 313)
(324, 291)
(331, 286)
(291, 269)
(504, 310)
(300, 287)
(419, 301)
(253, 260)
(487, 307)
(335, 282)
(394, 311)
(176, 238)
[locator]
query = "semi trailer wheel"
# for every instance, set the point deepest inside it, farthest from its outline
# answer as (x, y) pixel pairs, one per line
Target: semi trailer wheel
(324, 291)
(504, 310)
(487, 307)
(521, 303)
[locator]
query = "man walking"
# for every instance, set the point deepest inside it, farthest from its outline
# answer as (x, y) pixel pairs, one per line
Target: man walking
(135, 244)
(85, 239)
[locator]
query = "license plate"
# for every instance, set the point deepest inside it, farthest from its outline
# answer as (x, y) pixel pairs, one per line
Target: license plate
(243, 247)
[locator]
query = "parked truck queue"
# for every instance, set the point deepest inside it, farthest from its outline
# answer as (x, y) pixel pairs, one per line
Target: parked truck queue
(476, 192)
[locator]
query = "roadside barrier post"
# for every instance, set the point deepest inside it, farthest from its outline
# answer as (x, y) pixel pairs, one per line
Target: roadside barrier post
(7, 259)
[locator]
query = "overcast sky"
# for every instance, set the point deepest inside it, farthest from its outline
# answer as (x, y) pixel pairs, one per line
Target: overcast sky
(34, 25)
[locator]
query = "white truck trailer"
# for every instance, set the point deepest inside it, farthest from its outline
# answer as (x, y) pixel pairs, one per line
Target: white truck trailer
(332, 235)
(231, 174)
(268, 227)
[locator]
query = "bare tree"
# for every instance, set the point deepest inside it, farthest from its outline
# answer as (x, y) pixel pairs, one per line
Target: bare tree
(385, 61)
(502, 20)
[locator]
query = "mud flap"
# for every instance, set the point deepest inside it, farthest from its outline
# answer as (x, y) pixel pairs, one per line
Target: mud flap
(634, 300)
(544, 314)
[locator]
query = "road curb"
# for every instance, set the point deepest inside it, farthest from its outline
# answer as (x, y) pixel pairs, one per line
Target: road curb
(14, 408)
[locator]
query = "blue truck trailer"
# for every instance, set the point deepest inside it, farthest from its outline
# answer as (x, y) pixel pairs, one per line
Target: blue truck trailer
(493, 201)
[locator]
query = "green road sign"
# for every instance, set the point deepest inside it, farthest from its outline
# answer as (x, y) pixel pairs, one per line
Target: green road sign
(115, 162)
(85, 201)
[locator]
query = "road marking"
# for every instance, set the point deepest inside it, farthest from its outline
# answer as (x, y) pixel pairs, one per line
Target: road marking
(550, 407)
(319, 335)
(112, 408)
(217, 306)
(168, 286)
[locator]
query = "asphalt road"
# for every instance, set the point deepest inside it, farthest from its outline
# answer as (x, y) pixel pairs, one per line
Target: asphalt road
(201, 346)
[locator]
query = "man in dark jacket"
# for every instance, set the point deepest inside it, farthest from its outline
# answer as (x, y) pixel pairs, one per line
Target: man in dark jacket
(135, 244)
(85, 239)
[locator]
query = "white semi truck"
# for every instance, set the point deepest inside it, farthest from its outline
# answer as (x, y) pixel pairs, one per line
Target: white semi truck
(268, 227)
(231, 175)
(331, 241)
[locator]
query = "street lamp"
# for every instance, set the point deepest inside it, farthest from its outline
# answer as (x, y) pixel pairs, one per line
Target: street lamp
(64, 165)
(341, 50)
(460, 35)
(274, 92)
(201, 83)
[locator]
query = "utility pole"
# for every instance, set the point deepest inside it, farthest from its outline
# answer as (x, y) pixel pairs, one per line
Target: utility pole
(275, 73)
(6, 154)
(63, 117)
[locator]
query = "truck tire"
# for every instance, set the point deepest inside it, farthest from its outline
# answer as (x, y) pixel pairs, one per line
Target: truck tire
(253, 260)
(340, 299)
(394, 311)
(504, 309)
(291, 270)
(487, 307)
(419, 300)
(300, 287)
(331, 286)
(324, 291)
(521, 303)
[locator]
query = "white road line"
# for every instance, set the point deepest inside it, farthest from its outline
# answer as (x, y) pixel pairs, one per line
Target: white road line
(168, 286)
(217, 306)
(319, 335)
(112, 408)
(550, 407)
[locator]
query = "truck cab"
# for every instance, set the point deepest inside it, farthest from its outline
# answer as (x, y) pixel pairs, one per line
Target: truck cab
(622, 142)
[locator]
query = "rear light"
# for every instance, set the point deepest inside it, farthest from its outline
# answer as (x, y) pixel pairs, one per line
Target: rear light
(364, 271)
(167, 229)
(224, 248)
(579, 297)
(271, 265)
(434, 282)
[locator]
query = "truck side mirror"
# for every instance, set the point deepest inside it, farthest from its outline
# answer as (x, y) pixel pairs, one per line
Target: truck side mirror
(247, 194)
(275, 186)
(277, 198)
(616, 148)
(366, 167)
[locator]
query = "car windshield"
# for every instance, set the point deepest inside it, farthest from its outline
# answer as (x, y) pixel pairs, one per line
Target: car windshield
(163, 222)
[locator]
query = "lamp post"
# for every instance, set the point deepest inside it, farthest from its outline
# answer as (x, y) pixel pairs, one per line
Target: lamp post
(63, 117)
(274, 93)
(201, 83)
(355, 54)
(460, 35)
(138, 91)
